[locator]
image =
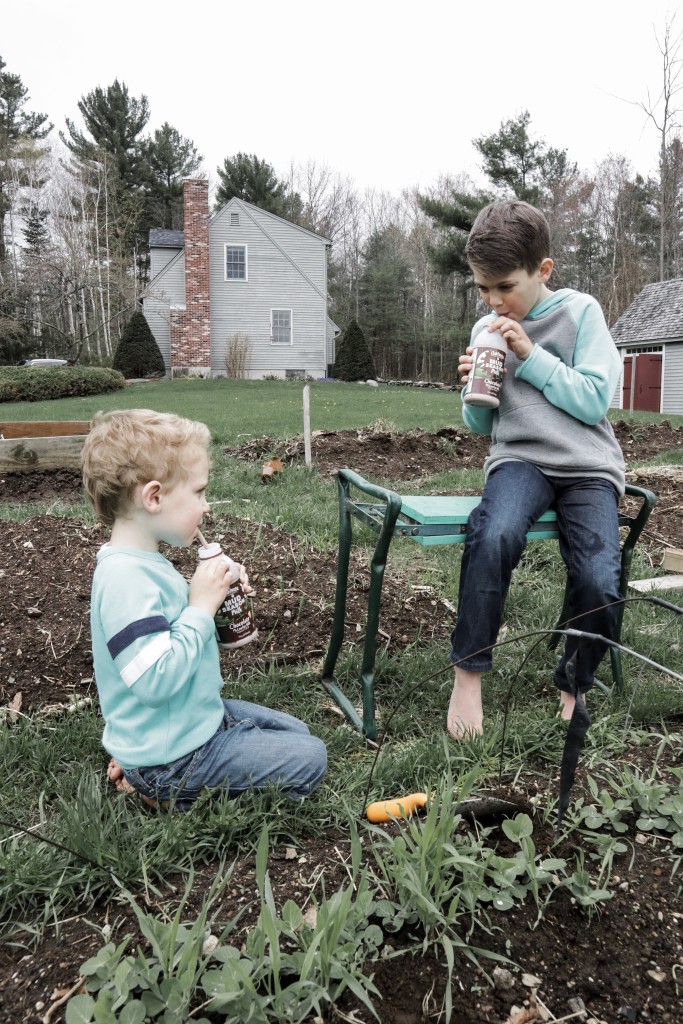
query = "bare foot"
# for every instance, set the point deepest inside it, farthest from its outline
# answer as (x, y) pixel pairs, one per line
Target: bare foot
(122, 785)
(465, 714)
(567, 704)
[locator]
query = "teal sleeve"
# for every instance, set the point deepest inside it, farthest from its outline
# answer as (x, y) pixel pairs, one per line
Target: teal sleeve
(479, 421)
(586, 388)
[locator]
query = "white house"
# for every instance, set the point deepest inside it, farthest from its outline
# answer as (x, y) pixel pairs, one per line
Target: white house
(649, 335)
(240, 280)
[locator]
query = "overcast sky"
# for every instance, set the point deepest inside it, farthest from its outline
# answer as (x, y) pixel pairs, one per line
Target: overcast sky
(388, 92)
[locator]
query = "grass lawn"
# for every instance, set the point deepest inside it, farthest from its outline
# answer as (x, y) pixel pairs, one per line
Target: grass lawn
(235, 410)
(72, 851)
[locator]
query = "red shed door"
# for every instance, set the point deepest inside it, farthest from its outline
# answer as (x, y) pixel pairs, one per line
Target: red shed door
(648, 382)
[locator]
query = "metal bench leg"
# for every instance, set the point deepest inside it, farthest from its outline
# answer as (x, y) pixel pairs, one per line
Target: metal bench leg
(377, 566)
(337, 633)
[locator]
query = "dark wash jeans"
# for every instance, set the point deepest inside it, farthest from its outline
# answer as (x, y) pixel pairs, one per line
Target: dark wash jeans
(252, 748)
(515, 495)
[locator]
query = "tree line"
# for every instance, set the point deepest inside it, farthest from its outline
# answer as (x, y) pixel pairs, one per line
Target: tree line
(76, 211)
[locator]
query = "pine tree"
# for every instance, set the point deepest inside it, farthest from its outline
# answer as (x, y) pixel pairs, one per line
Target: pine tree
(138, 354)
(521, 165)
(457, 216)
(168, 157)
(36, 233)
(112, 142)
(255, 181)
(17, 127)
(114, 121)
(354, 360)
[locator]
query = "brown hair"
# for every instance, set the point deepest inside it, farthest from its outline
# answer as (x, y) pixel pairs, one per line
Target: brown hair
(507, 236)
(129, 447)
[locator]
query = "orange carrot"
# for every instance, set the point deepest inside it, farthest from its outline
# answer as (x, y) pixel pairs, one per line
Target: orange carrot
(401, 807)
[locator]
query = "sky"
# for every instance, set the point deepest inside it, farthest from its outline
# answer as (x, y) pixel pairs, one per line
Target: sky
(390, 94)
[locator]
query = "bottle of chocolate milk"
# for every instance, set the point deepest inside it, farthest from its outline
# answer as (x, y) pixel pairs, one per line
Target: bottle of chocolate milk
(234, 619)
(486, 375)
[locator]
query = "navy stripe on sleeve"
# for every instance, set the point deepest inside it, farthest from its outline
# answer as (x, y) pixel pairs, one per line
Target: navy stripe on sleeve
(141, 627)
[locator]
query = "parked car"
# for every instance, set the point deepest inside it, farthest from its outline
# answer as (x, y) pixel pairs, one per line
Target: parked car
(45, 362)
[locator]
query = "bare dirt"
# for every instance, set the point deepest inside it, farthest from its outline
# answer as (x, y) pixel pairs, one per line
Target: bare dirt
(46, 564)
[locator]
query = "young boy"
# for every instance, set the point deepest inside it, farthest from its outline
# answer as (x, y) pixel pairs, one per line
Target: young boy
(551, 445)
(154, 644)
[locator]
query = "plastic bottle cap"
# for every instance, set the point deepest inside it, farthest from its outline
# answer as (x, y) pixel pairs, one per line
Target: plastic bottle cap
(210, 551)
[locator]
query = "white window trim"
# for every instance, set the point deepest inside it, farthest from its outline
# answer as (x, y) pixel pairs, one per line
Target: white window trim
(282, 344)
(235, 245)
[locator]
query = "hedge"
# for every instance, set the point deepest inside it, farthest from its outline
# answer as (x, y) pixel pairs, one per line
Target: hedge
(29, 384)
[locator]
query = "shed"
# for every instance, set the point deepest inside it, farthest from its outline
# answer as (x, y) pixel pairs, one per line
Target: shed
(649, 336)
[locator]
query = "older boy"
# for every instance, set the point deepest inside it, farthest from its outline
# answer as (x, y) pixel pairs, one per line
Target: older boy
(154, 643)
(551, 445)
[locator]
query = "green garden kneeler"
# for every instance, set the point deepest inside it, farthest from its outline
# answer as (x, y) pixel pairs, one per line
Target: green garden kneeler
(431, 520)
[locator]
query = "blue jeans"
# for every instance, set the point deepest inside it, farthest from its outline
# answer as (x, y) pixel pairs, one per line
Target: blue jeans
(252, 748)
(515, 495)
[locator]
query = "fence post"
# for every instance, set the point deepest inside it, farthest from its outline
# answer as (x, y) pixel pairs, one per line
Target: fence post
(307, 426)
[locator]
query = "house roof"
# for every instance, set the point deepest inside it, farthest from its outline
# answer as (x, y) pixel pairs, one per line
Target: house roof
(655, 314)
(236, 201)
(160, 238)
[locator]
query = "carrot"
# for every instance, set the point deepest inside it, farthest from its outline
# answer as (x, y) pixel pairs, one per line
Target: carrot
(401, 807)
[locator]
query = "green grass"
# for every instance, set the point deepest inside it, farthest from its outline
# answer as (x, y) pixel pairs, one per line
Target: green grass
(237, 410)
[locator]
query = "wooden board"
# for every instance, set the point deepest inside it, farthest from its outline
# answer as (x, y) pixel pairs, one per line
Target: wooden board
(43, 428)
(670, 582)
(27, 455)
(673, 559)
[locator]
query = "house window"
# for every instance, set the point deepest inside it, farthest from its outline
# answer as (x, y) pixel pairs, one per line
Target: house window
(281, 326)
(234, 220)
(235, 263)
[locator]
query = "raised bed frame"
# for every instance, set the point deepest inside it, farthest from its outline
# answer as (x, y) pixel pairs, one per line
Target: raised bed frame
(38, 445)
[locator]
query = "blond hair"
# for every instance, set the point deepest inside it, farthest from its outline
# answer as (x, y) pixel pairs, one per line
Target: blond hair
(129, 447)
(508, 236)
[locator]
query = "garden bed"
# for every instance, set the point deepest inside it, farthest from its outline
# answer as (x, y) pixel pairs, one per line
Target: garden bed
(625, 962)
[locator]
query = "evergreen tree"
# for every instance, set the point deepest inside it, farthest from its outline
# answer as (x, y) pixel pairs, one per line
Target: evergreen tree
(168, 158)
(354, 359)
(456, 217)
(388, 300)
(109, 156)
(36, 233)
(520, 165)
(15, 341)
(114, 121)
(138, 354)
(255, 181)
(18, 129)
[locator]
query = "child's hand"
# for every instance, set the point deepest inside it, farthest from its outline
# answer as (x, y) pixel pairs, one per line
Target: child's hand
(515, 335)
(243, 577)
(465, 365)
(210, 584)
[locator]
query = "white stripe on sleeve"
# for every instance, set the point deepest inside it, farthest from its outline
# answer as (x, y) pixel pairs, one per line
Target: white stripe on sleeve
(145, 658)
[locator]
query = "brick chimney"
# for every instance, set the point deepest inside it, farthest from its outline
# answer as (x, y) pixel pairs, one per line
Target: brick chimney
(191, 326)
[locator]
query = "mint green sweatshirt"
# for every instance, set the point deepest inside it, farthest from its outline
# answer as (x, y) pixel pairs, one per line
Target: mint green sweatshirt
(156, 660)
(553, 405)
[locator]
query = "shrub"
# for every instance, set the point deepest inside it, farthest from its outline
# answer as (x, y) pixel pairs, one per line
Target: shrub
(24, 384)
(354, 360)
(237, 355)
(138, 354)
